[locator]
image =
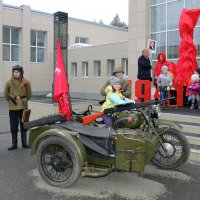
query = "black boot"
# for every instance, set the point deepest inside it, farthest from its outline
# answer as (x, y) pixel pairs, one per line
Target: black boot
(14, 142)
(24, 140)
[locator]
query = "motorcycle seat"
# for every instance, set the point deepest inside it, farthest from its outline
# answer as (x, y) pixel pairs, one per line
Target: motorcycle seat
(86, 130)
(80, 112)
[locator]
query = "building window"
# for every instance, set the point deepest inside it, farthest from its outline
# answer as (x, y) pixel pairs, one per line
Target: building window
(38, 46)
(125, 66)
(74, 70)
(173, 41)
(165, 16)
(173, 14)
(81, 40)
(97, 68)
(11, 43)
(110, 66)
(192, 4)
(161, 43)
(85, 69)
(158, 18)
(153, 2)
(196, 40)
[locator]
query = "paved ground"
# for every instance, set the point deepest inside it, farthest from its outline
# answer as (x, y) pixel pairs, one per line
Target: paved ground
(4, 119)
(20, 180)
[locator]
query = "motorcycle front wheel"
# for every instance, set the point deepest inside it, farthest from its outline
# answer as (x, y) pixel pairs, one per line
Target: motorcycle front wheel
(58, 162)
(178, 150)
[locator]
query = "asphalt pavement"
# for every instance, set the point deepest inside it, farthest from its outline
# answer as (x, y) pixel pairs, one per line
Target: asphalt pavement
(19, 178)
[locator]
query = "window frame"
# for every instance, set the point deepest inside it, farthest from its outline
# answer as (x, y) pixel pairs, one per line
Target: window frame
(74, 67)
(11, 45)
(79, 38)
(110, 66)
(85, 69)
(37, 47)
(125, 66)
(97, 68)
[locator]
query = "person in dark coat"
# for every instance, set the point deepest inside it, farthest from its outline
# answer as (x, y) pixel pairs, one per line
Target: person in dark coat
(144, 66)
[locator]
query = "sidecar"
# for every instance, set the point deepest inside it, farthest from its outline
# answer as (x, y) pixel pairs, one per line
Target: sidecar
(66, 151)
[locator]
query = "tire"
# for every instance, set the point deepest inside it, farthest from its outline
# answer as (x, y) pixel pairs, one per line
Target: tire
(178, 150)
(58, 162)
(48, 120)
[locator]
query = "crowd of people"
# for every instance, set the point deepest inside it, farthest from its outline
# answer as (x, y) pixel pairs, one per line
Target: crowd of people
(116, 91)
(164, 78)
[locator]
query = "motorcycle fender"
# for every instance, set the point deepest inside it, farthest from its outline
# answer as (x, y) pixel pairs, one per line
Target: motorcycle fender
(69, 136)
(163, 123)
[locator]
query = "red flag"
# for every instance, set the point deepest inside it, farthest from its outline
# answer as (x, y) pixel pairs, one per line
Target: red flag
(61, 89)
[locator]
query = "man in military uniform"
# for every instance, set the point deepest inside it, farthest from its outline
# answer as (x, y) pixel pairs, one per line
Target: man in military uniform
(17, 93)
(126, 90)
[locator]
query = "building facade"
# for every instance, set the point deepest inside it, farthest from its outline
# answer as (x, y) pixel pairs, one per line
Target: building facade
(27, 39)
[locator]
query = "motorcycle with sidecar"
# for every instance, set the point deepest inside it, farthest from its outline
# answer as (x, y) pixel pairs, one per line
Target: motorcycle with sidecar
(66, 150)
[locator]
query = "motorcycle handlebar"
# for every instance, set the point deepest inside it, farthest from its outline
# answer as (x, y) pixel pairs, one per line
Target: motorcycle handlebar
(131, 106)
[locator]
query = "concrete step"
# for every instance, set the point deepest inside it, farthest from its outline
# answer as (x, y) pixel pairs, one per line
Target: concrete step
(194, 154)
(180, 118)
(194, 140)
(191, 129)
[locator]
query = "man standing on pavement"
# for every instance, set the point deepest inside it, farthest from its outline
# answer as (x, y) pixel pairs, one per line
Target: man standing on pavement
(144, 69)
(17, 93)
(144, 66)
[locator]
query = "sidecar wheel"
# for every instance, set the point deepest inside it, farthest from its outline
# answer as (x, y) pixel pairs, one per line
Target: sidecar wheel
(58, 162)
(178, 150)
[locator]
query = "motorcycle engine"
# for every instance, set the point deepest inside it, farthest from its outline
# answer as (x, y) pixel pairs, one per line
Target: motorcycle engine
(155, 111)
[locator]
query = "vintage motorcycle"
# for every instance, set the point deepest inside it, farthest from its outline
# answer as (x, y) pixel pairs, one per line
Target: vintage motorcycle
(66, 150)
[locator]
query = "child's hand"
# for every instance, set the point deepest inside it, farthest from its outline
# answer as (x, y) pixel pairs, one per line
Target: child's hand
(190, 88)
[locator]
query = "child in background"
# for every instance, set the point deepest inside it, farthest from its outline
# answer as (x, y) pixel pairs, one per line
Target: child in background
(194, 91)
(164, 81)
(197, 71)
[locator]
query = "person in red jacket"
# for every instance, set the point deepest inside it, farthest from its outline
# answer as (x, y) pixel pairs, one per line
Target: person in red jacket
(162, 61)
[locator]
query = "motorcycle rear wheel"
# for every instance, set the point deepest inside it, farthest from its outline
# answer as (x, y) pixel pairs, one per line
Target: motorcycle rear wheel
(58, 162)
(178, 150)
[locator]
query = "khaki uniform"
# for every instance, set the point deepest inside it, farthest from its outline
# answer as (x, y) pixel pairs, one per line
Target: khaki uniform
(21, 90)
(125, 86)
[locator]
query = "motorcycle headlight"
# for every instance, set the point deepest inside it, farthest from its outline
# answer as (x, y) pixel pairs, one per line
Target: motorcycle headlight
(155, 111)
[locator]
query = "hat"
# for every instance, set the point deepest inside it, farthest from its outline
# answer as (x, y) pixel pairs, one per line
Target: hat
(18, 68)
(164, 68)
(118, 69)
(195, 77)
(197, 70)
(114, 80)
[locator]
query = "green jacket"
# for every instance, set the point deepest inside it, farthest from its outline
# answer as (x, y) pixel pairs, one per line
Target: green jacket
(125, 86)
(21, 90)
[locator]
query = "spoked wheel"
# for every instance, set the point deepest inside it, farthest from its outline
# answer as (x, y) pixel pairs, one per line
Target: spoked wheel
(178, 150)
(58, 162)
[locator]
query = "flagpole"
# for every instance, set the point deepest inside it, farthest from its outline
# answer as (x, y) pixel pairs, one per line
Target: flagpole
(61, 33)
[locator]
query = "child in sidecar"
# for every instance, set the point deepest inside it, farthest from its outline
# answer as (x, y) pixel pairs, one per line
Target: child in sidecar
(114, 97)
